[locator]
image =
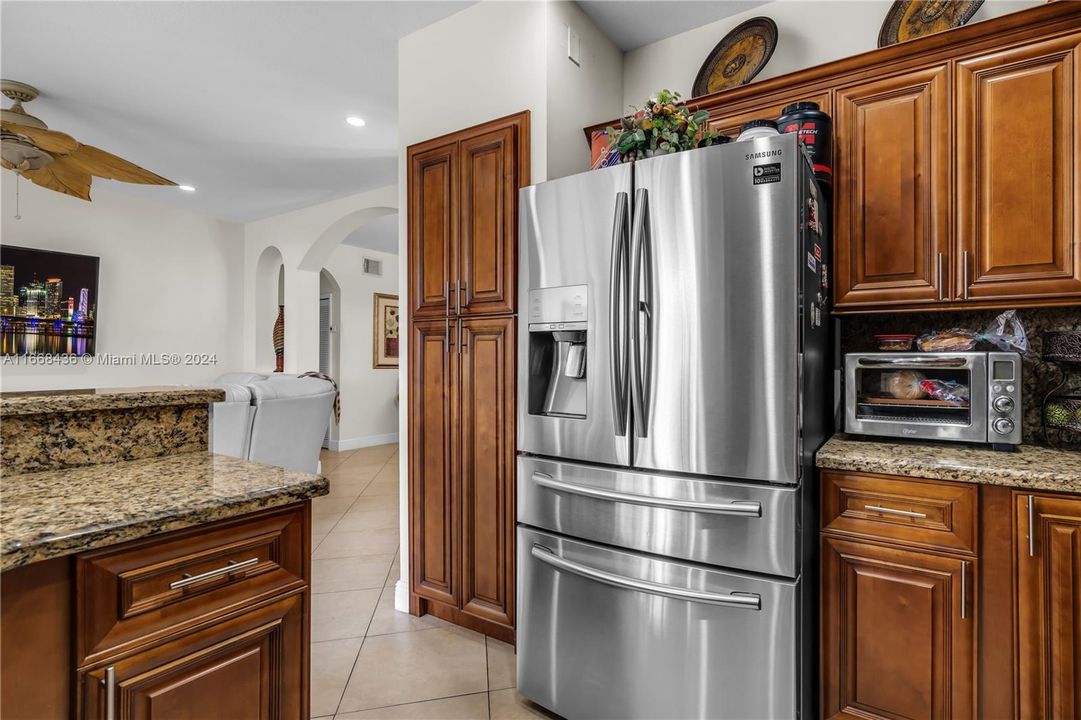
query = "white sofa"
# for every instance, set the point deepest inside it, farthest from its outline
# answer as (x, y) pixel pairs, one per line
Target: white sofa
(272, 419)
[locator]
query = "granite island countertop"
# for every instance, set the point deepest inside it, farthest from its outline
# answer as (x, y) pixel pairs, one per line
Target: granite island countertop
(60, 512)
(1030, 467)
(36, 402)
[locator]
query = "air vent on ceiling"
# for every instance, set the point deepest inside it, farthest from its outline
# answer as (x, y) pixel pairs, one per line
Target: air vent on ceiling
(373, 267)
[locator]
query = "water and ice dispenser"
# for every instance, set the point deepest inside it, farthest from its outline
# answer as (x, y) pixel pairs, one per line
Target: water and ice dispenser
(558, 330)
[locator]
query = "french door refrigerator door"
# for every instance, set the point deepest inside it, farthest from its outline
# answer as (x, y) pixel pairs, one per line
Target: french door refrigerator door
(715, 290)
(574, 273)
(608, 633)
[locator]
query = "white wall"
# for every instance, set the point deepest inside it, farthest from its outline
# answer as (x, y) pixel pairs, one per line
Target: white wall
(810, 32)
(578, 95)
(369, 413)
(169, 282)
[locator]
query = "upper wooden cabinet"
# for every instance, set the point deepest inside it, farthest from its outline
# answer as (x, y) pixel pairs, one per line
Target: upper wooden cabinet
(1049, 606)
(729, 120)
(433, 220)
(1018, 173)
(463, 219)
(892, 190)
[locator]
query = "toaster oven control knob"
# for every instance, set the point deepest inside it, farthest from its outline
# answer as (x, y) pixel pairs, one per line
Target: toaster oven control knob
(1003, 404)
(1003, 426)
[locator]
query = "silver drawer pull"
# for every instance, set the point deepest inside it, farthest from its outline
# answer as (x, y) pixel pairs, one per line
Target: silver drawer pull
(892, 511)
(110, 692)
(746, 508)
(740, 600)
(232, 567)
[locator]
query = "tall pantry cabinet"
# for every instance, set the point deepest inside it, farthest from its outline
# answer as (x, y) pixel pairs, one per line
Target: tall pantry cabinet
(463, 261)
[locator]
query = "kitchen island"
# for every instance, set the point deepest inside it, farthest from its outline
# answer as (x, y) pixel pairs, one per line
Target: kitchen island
(953, 570)
(177, 581)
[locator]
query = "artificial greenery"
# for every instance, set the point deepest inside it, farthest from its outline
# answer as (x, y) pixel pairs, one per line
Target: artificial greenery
(664, 125)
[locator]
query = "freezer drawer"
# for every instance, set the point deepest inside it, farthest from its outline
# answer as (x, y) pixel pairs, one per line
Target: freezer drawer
(735, 525)
(604, 633)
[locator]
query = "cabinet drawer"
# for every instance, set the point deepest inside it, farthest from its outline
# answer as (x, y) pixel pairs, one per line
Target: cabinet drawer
(923, 513)
(132, 594)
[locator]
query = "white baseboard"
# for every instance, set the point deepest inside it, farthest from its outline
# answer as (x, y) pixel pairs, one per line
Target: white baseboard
(401, 596)
(362, 442)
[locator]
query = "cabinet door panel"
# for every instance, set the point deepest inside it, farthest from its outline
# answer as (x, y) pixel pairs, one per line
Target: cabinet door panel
(1049, 607)
(894, 644)
(253, 666)
(487, 398)
(433, 493)
(433, 203)
(1018, 172)
(891, 186)
(489, 222)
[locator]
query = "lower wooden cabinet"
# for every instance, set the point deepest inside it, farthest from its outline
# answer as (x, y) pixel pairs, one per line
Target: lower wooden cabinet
(898, 632)
(1048, 605)
(921, 620)
(461, 471)
(246, 667)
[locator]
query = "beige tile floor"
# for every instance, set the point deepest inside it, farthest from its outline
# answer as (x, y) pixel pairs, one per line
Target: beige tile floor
(370, 661)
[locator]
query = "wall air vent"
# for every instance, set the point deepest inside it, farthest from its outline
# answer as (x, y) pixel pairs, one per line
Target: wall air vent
(373, 267)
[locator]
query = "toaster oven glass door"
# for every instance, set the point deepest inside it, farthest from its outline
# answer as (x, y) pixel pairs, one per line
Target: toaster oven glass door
(937, 395)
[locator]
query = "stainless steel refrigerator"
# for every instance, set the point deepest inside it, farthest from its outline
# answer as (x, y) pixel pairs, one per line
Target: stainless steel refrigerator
(673, 387)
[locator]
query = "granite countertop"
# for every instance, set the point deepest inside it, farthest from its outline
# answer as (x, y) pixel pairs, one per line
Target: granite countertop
(1031, 467)
(59, 512)
(36, 402)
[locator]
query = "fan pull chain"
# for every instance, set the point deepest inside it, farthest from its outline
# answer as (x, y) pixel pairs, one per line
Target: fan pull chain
(17, 215)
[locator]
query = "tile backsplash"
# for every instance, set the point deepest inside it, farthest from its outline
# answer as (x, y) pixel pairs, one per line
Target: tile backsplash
(858, 331)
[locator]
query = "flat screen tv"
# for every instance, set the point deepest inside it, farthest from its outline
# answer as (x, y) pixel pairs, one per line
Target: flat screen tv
(48, 302)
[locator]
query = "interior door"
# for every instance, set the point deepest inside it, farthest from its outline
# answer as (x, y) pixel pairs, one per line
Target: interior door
(487, 467)
(716, 288)
(571, 230)
(1019, 173)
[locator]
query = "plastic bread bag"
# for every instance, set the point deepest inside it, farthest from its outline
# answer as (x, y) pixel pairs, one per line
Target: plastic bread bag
(1005, 332)
(950, 391)
(905, 384)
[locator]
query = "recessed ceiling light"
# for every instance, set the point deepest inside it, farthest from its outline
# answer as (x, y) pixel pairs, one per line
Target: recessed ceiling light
(355, 121)
(186, 188)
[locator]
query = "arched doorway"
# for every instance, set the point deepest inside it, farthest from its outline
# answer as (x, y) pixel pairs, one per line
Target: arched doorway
(269, 297)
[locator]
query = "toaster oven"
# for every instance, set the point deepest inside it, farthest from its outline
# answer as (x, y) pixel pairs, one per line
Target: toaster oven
(963, 396)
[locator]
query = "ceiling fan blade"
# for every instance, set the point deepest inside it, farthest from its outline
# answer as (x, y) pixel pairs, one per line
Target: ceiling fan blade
(63, 177)
(51, 141)
(6, 165)
(106, 165)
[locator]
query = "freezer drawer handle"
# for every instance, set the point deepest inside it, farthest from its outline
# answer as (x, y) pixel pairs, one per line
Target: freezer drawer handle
(749, 601)
(747, 508)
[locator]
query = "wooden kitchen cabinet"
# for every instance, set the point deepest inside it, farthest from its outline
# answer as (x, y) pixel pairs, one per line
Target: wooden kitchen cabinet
(892, 190)
(462, 374)
(488, 468)
(1018, 172)
(463, 219)
(729, 121)
(1048, 545)
(433, 219)
(434, 490)
(898, 634)
(245, 667)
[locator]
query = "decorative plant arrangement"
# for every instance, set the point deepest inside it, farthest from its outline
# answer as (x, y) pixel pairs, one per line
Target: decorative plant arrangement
(664, 125)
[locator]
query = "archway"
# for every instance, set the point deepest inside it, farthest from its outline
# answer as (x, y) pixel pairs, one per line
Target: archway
(318, 254)
(269, 295)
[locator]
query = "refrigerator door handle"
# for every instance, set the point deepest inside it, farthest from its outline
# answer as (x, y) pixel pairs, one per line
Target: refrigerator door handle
(746, 508)
(748, 601)
(617, 321)
(642, 313)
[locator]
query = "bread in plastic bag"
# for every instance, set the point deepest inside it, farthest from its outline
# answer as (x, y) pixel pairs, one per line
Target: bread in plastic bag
(950, 391)
(1005, 332)
(905, 384)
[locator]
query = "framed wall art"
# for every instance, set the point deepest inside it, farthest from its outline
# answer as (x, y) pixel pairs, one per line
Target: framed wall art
(385, 331)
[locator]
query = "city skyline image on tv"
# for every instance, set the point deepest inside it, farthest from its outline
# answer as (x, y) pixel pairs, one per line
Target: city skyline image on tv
(48, 302)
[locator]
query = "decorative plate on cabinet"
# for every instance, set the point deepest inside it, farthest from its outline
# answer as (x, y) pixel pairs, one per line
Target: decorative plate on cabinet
(738, 57)
(910, 19)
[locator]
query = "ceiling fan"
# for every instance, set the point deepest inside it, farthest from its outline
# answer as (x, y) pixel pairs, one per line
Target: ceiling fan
(55, 160)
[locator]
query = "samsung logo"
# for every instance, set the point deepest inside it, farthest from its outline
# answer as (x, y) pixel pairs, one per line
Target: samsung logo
(763, 154)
